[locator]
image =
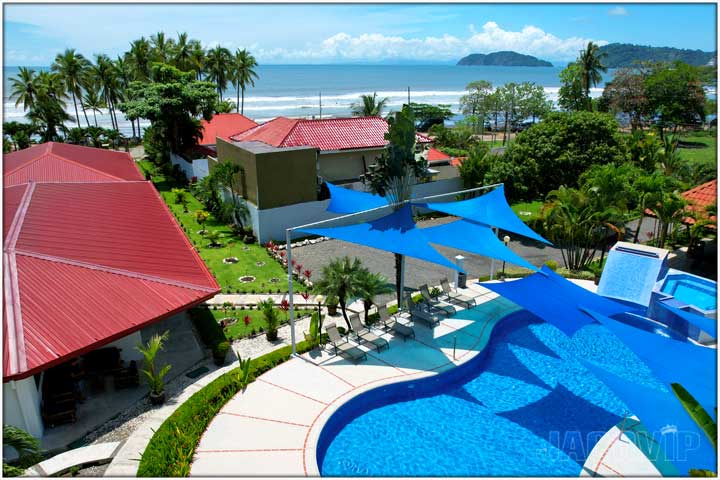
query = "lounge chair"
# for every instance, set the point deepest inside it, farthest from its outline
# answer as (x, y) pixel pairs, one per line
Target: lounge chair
(342, 346)
(391, 323)
(422, 311)
(363, 333)
(435, 303)
(456, 296)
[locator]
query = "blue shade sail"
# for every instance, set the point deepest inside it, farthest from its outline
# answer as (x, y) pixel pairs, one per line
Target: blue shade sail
(474, 238)
(395, 233)
(662, 414)
(490, 209)
(672, 361)
(344, 200)
(708, 325)
(581, 297)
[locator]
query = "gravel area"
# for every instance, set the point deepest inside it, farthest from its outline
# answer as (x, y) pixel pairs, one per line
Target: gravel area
(418, 272)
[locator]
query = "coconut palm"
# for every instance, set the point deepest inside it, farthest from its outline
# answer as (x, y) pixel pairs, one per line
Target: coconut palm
(369, 285)
(27, 447)
(197, 58)
(104, 76)
(369, 106)
(669, 208)
(341, 279)
(123, 69)
(244, 74)
(94, 103)
(23, 88)
(182, 56)
(48, 111)
(71, 67)
(139, 58)
(162, 47)
(590, 62)
(217, 66)
(149, 352)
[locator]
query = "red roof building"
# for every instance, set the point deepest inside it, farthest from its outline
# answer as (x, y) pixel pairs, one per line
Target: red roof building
(87, 262)
(332, 134)
(224, 125)
(436, 156)
(62, 162)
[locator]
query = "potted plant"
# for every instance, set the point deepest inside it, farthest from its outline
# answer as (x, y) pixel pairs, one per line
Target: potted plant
(331, 303)
(272, 319)
(220, 353)
(153, 375)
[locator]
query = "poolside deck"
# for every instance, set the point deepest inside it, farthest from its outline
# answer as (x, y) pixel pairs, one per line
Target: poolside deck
(272, 428)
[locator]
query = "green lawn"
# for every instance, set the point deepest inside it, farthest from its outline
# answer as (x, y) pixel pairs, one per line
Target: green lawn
(253, 259)
(522, 208)
(257, 321)
(707, 143)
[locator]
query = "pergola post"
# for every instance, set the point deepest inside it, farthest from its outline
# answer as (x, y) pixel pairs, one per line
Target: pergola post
(492, 260)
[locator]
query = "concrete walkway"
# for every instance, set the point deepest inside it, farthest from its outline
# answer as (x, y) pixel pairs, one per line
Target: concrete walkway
(273, 427)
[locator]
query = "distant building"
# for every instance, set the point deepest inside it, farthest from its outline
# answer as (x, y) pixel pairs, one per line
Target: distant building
(91, 256)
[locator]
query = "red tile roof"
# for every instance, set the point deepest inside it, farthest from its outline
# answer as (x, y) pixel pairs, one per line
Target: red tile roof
(435, 156)
(700, 197)
(224, 125)
(62, 162)
(326, 134)
(86, 263)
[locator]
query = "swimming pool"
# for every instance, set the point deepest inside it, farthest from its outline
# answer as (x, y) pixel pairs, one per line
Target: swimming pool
(691, 290)
(525, 406)
(650, 325)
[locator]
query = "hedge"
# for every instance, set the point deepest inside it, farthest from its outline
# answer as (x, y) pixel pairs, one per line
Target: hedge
(172, 447)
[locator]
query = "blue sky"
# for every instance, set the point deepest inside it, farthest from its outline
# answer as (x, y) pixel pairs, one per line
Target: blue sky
(356, 33)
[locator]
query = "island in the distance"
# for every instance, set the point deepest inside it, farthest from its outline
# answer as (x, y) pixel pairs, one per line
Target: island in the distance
(503, 59)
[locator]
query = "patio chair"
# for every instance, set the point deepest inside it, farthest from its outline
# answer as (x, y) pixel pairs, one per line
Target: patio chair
(425, 292)
(456, 296)
(363, 333)
(391, 323)
(422, 312)
(413, 305)
(342, 346)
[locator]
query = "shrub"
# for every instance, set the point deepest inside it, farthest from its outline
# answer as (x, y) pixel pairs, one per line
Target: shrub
(171, 449)
(207, 327)
(220, 352)
(552, 265)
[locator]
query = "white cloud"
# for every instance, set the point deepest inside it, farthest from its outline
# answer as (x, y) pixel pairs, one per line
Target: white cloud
(530, 40)
(618, 11)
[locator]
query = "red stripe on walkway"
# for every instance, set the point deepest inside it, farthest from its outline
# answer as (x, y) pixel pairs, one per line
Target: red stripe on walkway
(265, 419)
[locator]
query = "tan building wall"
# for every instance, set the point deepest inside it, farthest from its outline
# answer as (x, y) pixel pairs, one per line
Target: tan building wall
(273, 177)
(341, 166)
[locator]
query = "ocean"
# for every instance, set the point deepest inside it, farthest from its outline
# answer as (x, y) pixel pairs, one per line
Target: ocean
(296, 90)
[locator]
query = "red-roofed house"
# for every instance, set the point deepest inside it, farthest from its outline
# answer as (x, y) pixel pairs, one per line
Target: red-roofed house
(91, 256)
(224, 125)
(699, 198)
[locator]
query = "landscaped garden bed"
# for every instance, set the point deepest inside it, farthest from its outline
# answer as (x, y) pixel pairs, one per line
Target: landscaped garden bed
(249, 322)
(253, 259)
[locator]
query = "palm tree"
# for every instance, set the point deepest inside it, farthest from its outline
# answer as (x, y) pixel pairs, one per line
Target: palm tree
(71, 67)
(369, 286)
(668, 208)
(369, 106)
(182, 57)
(590, 61)
(104, 75)
(27, 447)
(161, 47)
(197, 58)
(94, 103)
(124, 77)
(48, 111)
(243, 75)
(139, 59)
(217, 65)
(340, 279)
(23, 88)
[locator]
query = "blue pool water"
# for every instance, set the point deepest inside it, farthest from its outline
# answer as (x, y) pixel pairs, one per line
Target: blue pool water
(651, 326)
(525, 406)
(692, 290)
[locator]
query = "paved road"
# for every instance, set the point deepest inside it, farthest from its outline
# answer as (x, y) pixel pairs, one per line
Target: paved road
(418, 272)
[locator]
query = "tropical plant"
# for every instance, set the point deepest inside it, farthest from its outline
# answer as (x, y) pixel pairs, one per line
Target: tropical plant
(243, 74)
(201, 217)
(18, 133)
(162, 47)
(696, 412)
(94, 103)
(103, 75)
(478, 101)
(72, 67)
(591, 67)
(213, 237)
(340, 278)
(369, 106)
(149, 351)
(669, 208)
(180, 195)
(224, 106)
(206, 190)
(182, 54)
(139, 58)
(626, 94)
(315, 333)
(23, 88)
(217, 67)
(243, 370)
(26, 446)
(272, 319)
(369, 285)
(473, 169)
(48, 113)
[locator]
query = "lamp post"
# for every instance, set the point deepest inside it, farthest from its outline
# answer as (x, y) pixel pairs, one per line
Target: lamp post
(319, 299)
(506, 240)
